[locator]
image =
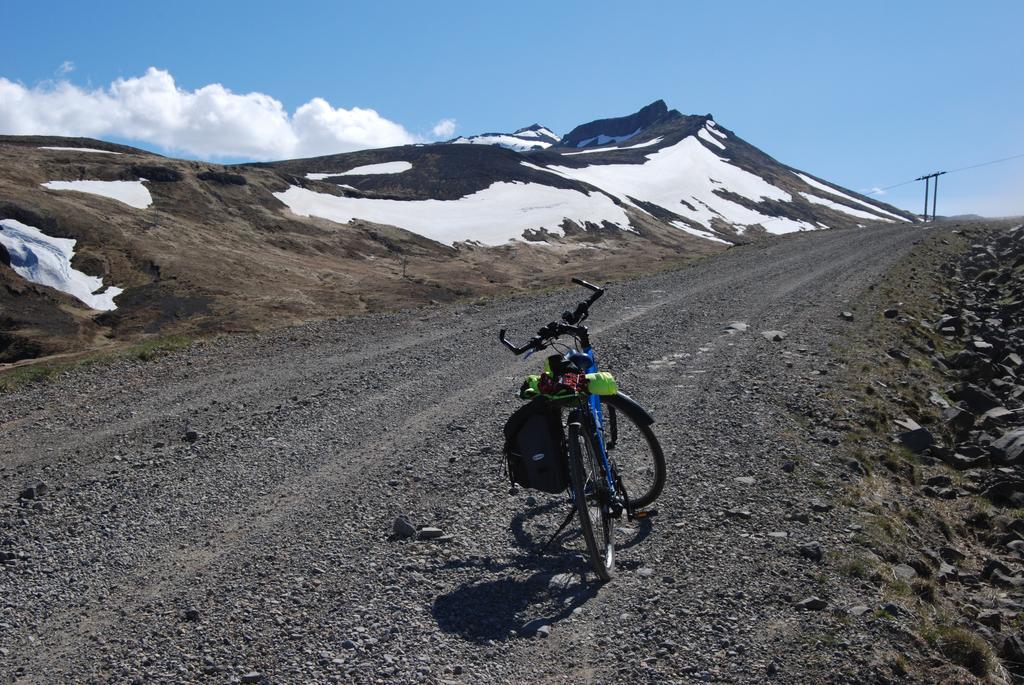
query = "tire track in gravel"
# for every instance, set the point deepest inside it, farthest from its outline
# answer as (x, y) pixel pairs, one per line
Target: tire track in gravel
(311, 485)
(174, 402)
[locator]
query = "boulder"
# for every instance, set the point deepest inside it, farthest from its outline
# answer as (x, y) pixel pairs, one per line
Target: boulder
(996, 416)
(403, 528)
(917, 440)
(904, 572)
(812, 551)
(978, 400)
(1008, 492)
(811, 604)
(958, 419)
(946, 573)
(1009, 449)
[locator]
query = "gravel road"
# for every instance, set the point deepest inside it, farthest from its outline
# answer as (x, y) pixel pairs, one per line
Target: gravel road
(224, 514)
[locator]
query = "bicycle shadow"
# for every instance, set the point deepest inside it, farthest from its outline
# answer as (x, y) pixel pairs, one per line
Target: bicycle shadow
(628, 534)
(530, 532)
(484, 610)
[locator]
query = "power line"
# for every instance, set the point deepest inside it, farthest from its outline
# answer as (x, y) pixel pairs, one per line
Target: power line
(994, 161)
(914, 180)
(951, 171)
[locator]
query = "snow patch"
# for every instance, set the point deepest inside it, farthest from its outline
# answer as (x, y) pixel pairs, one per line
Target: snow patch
(367, 170)
(492, 216)
(829, 189)
(591, 151)
(132, 193)
(503, 140)
(843, 208)
(529, 165)
(706, 235)
(690, 173)
(604, 140)
(713, 127)
(705, 136)
(38, 258)
(78, 149)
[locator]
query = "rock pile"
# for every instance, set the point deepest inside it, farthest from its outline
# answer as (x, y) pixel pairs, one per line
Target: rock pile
(982, 409)
(974, 423)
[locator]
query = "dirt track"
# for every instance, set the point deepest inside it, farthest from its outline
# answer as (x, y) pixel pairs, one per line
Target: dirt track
(264, 546)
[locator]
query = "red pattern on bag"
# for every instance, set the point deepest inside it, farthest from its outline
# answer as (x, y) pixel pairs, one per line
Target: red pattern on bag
(568, 382)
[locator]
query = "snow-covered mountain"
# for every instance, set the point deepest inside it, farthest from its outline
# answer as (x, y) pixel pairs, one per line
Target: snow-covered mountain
(653, 167)
(101, 241)
(535, 137)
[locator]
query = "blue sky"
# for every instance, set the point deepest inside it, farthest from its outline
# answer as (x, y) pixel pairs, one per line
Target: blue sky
(864, 94)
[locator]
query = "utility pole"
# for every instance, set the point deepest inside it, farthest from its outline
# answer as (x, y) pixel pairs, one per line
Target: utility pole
(927, 181)
(935, 193)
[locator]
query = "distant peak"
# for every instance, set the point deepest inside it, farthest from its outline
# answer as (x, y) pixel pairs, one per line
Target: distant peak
(533, 137)
(602, 131)
(656, 108)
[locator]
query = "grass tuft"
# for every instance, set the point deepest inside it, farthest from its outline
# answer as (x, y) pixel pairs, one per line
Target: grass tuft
(151, 349)
(962, 647)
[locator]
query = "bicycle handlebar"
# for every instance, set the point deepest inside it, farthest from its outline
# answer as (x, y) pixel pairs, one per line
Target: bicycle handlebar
(570, 323)
(508, 343)
(591, 286)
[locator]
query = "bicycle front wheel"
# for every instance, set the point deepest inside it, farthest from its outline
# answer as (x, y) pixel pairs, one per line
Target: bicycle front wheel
(590, 496)
(634, 451)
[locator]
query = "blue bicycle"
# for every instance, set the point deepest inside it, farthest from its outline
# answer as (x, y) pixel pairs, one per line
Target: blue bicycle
(607, 456)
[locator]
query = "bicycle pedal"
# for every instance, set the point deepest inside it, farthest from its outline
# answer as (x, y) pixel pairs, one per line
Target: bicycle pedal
(645, 513)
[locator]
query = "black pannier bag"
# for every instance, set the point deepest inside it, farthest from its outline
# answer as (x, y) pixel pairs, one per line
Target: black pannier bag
(535, 447)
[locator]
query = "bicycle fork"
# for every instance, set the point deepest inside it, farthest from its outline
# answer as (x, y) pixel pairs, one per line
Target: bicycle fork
(618, 497)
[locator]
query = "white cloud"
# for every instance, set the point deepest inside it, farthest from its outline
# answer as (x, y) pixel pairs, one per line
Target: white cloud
(66, 67)
(444, 129)
(875, 191)
(210, 121)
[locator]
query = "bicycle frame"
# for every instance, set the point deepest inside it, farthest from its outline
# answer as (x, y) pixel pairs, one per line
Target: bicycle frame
(597, 417)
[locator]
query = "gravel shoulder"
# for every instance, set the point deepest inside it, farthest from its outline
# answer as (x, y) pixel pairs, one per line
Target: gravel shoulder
(224, 513)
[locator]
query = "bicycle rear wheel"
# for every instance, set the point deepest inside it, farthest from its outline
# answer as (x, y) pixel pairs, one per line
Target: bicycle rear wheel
(634, 451)
(589, 493)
